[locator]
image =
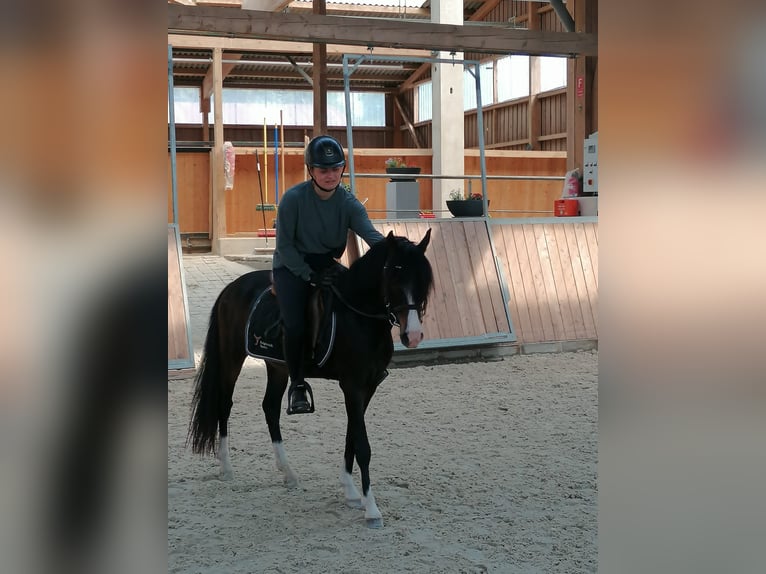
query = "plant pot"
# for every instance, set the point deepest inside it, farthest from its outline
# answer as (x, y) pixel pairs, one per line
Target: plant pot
(466, 207)
(404, 171)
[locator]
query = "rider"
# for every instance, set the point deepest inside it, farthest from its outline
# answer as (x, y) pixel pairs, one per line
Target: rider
(313, 221)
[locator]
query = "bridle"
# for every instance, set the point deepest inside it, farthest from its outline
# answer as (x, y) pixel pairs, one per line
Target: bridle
(391, 312)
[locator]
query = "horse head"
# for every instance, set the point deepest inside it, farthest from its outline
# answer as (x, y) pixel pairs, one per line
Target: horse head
(407, 283)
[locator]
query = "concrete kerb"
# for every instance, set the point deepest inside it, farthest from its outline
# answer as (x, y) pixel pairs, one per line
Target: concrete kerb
(468, 354)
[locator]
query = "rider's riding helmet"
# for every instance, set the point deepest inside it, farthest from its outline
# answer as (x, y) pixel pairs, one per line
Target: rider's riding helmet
(326, 152)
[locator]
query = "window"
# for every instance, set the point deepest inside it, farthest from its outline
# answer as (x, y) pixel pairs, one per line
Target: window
(367, 109)
(246, 106)
(512, 77)
(425, 109)
(486, 78)
(186, 108)
(553, 73)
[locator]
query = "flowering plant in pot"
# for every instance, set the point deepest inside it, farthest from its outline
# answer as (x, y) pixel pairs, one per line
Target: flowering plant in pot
(470, 205)
(396, 165)
(395, 162)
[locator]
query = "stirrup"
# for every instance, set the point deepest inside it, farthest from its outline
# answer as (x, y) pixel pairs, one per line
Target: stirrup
(300, 406)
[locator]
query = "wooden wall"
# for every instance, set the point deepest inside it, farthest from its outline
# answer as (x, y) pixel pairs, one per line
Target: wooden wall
(179, 347)
(193, 180)
(552, 274)
(293, 135)
(506, 125)
(525, 197)
(467, 301)
(548, 279)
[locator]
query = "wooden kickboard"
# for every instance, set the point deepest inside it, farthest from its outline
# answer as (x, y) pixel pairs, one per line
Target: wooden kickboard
(180, 353)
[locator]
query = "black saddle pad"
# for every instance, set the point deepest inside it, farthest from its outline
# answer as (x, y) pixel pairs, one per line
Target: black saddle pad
(264, 333)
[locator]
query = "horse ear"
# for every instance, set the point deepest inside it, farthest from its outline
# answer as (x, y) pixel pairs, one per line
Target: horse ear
(390, 235)
(425, 241)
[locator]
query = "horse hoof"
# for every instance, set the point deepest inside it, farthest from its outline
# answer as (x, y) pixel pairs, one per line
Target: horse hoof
(374, 522)
(355, 503)
(226, 475)
(291, 482)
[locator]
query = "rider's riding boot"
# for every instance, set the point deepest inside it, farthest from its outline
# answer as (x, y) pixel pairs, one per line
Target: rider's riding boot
(300, 398)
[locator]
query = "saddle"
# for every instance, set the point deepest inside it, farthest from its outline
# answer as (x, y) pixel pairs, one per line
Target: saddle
(264, 332)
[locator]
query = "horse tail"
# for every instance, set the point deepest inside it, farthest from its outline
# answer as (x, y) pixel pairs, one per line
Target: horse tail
(207, 392)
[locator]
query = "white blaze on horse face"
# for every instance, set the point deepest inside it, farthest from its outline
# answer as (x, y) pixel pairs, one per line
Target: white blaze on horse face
(414, 328)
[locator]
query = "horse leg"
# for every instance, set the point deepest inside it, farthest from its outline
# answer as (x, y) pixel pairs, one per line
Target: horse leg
(229, 374)
(219, 368)
(356, 405)
(350, 492)
(272, 405)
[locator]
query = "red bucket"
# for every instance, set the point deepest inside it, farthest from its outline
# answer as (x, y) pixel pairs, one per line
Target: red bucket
(566, 208)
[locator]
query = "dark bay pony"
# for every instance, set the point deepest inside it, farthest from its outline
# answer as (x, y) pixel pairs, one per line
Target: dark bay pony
(388, 286)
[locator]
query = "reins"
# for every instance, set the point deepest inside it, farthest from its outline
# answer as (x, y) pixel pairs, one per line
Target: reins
(390, 316)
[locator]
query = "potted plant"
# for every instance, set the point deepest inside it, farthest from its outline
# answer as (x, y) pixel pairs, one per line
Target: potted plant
(465, 206)
(396, 165)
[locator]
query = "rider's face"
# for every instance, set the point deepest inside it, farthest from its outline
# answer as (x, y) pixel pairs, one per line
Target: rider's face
(327, 177)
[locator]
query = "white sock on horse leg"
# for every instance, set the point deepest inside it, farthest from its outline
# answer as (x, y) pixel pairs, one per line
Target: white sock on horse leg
(353, 498)
(226, 472)
(290, 478)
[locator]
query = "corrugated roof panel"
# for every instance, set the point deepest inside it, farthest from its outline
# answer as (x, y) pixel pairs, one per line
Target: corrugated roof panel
(386, 3)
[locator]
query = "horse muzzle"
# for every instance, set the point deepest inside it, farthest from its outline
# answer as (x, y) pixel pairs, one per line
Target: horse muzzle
(411, 338)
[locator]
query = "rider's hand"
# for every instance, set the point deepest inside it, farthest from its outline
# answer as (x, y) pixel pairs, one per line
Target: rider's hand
(326, 277)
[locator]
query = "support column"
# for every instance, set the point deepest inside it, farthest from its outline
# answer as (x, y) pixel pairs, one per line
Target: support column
(533, 109)
(319, 74)
(448, 123)
(204, 105)
(581, 72)
(216, 165)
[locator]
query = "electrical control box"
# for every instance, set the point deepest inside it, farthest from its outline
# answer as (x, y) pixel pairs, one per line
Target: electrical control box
(590, 165)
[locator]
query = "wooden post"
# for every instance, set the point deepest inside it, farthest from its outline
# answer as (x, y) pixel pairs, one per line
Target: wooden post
(580, 83)
(265, 164)
(282, 151)
(204, 108)
(218, 192)
(534, 114)
(319, 73)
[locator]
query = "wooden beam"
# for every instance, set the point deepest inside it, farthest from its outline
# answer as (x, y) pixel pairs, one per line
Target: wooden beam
(335, 74)
(319, 75)
(549, 137)
(216, 167)
(407, 122)
(414, 77)
(534, 108)
(207, 82)
(300, 71)
(370, 32)
(278, 47)
(580, 83)
(485, 9)
(204, 108)
(366, 9)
